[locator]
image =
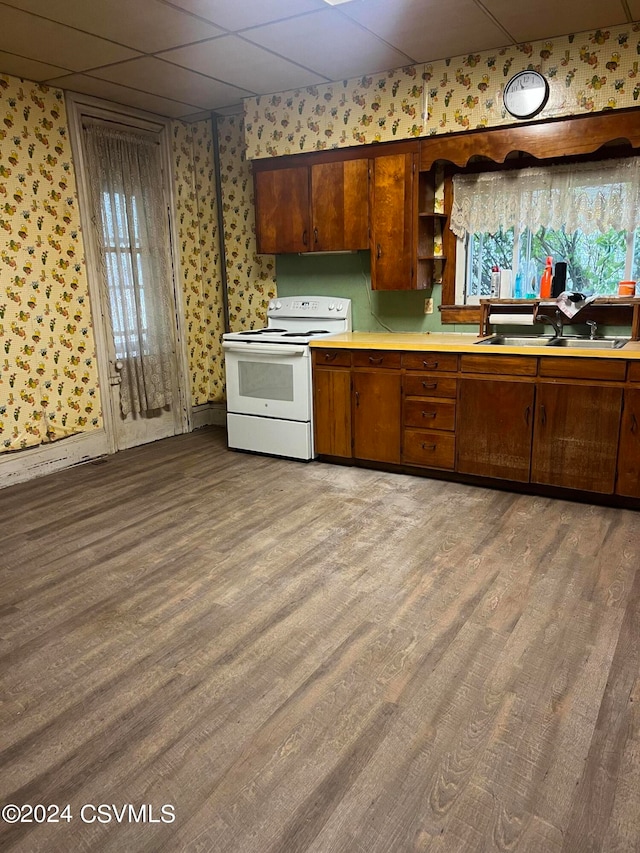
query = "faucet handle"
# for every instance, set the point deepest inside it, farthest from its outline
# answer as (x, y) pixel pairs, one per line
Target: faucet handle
(593, 326)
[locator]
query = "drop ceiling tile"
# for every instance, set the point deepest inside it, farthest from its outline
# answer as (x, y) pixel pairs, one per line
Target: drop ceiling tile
(243, 64)
(122, 95)
(145, 25)
(246, 13)
(328, 43)
(55, 44)
(548, 18)
(428, 31)
(164, 79)
(29, 69)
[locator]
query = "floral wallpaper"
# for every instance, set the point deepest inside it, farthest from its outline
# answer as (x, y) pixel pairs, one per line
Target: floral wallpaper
(250, 277)
(196, 212)
(48, 373)
(587, 72)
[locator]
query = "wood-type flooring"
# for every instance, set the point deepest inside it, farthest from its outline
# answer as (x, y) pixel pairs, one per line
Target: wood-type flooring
(306, 657)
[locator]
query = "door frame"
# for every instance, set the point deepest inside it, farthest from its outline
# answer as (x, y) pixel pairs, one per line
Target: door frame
(78, 105)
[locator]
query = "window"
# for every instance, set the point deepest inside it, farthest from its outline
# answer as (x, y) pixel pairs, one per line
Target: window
(585, 215)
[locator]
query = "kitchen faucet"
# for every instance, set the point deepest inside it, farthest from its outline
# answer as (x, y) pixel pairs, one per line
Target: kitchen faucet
(556, 323)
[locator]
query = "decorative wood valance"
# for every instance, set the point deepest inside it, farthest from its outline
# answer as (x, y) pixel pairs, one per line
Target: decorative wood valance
(543, 140)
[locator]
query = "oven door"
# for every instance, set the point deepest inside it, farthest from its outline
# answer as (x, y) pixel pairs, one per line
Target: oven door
(271, 380)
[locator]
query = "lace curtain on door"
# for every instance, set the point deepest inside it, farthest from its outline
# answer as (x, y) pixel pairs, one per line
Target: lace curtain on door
(590, 197)
(131, 227)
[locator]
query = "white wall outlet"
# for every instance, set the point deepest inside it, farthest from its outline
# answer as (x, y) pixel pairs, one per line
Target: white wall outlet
(428, 306)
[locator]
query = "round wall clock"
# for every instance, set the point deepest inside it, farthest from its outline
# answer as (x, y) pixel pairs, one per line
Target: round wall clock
(526, 94)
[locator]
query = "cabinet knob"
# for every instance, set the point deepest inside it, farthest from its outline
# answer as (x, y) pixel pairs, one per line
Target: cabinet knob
(315, 235)
(305, 240)
(379, 251)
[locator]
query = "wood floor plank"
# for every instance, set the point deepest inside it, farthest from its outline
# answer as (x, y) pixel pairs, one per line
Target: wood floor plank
(306, 657)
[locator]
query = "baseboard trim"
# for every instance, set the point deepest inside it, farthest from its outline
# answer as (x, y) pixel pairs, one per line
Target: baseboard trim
(208, 414)
(17, 466)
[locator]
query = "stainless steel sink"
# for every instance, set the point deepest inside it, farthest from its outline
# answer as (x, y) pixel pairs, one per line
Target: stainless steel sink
(516, 341)
(589, 343)
(546, 341)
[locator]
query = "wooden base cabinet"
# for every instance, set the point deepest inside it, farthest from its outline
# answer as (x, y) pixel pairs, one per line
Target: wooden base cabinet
(494, 428)
(332, 412)
(376, 415)
(629, 452)
(575, 439)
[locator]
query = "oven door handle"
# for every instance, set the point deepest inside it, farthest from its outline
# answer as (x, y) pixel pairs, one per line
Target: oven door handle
(263, 349)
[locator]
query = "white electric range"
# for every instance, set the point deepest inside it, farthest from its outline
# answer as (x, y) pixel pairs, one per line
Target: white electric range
(268, 374)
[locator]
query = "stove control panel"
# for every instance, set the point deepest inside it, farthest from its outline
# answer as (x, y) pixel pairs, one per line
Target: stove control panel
(312, 306)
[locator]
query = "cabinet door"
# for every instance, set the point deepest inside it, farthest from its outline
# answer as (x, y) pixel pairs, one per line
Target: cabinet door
(376, 414)
(575, 439)
(332, 411)
(393, 222)
(494, 427)
(629, 452)
(340, 206)
(282, 210)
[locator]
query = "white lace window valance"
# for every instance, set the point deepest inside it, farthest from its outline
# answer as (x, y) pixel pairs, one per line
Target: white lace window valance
(589, 197)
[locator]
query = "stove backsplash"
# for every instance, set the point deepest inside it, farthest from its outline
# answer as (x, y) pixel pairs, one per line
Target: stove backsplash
(348, 275)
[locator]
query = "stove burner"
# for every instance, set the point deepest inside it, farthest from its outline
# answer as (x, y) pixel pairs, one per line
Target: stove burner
(308, 334)
(262, 331)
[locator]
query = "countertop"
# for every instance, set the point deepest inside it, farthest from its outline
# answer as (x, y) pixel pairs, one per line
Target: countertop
(460, 342)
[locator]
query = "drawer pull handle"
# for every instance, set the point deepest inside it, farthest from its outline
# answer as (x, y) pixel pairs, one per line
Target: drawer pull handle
(428, 414)
(357, 399)
(379, 251)
(429, 384)
(330, 356)
(543, 415)
(315, 235)
(430, 365)
(305, 240)
(426, 446)
(377, 360)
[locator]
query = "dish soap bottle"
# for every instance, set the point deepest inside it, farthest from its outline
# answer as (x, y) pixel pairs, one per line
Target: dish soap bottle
(545, 281)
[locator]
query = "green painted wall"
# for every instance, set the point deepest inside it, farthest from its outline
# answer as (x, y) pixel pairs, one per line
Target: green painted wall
(348, 276)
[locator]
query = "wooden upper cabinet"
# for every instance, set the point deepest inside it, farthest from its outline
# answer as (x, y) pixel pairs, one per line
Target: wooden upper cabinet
(575, 439)
(393, 206)
(340, 206)
(323, 207)
(282, 210)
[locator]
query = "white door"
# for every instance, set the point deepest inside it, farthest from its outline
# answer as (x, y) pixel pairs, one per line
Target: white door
(133, 289)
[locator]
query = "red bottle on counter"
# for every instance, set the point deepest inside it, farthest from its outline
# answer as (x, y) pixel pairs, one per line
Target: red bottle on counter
(545, 281)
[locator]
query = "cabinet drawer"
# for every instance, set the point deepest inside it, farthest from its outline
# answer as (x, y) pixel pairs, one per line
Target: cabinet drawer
(376, 358)
(429, 385)
(633, 372)
(432, 414)
(583, 368)
(509, 365)
(333, 357)
(430, 449)
(446, 361)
